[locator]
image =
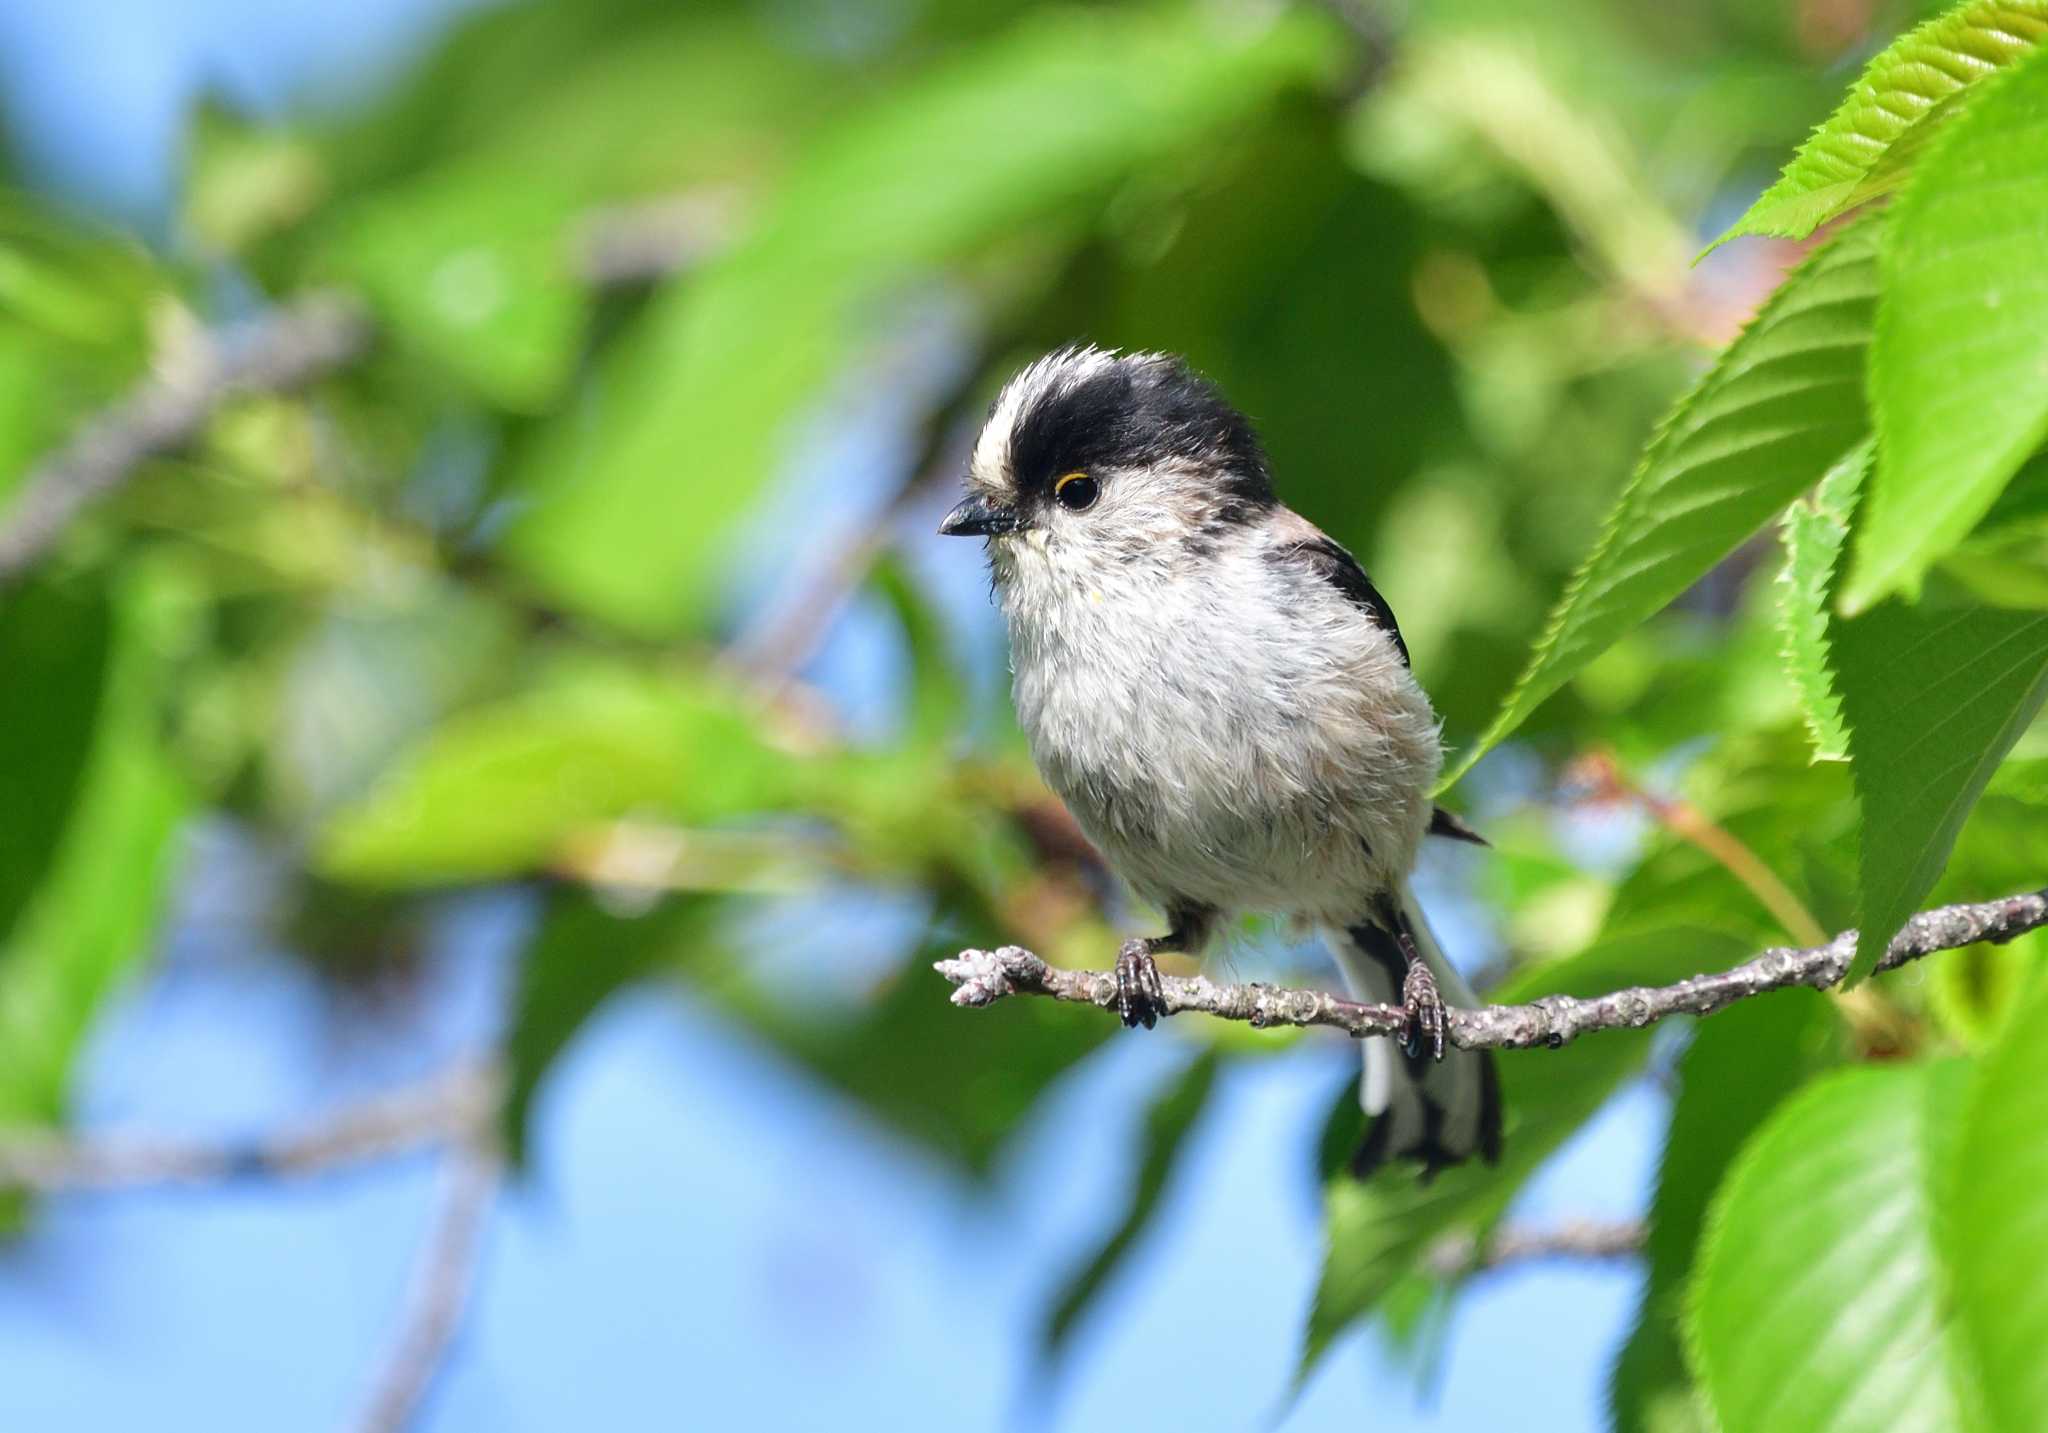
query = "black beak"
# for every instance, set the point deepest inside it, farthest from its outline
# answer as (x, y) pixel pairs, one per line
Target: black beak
(979, 517)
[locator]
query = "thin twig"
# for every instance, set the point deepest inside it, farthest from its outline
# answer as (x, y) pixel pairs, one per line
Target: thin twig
(441, 1290)
(453, 1106)
(1880, 1026)
(1592, 1240)
(984, 977)
(789, 635)
(1599, 774)
(293, 345)
(286, 349)
(637, 243)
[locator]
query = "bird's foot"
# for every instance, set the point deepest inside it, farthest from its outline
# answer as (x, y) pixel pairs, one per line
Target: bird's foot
(1424, 1005)
(1140, 998)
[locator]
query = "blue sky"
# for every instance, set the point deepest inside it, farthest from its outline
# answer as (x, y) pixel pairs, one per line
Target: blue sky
(707, 1239)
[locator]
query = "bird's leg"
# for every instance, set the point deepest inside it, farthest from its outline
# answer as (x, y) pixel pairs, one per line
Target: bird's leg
(1423, 1004)
(1140, 999)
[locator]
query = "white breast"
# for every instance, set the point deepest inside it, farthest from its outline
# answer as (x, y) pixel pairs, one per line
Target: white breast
(1224, 734)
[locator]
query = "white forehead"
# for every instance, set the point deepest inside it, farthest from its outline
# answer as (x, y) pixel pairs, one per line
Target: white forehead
(1066, 368)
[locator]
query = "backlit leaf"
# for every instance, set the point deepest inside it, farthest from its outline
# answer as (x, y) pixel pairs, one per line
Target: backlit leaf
(1959, 360)
(1906, 88)
(1934, 700)
(1996, 1238)
(1783, 403)
(1815, 532)
(502, 789)
(1818, 1305)
(1740, 1066)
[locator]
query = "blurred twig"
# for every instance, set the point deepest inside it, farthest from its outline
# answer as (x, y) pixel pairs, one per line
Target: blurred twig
(441, 1290)
(292, 345)
(288, 348)
(776, 648)
(1513, 1245)
(1598, 777)
(984, 977)
(451, 1107)
(641, 242)
(1880, 1026)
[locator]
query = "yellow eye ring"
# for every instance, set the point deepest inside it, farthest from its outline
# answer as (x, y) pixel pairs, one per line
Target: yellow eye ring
(1076, 491)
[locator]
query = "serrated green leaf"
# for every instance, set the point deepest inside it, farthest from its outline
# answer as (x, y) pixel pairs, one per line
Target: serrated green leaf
(1907, 87)
(1934, 700)
(634, 497)
(1817, 1307)
(1816, 529)
(1168, 1120)
(1783, 403)
(1994, 1235)
(1378, 1230)
(1740, 1066)
(500, 790)
(1960, 353)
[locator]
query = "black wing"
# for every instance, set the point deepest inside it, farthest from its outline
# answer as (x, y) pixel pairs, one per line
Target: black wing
(1340, 569)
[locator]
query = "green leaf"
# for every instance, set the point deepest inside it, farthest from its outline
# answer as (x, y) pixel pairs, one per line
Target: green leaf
(1740, 1066)
(1380, 1229)
(1975, 991)
(472, 266)
(1818, 1302)
(2022, 506)
(54, 650)
(634, 498)
(74, 313)
(1816, 528)
(1909, 87)
(580, 957)
(90, 918)
(936, 696)
(1167, 1123)
(958, 1087)
(504, 789)
(1934, 700)
(1996, 1239)
(1958, 360)
(1782, 405)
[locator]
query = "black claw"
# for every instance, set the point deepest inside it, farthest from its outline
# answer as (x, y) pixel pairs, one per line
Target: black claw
(1424, 1006)
(1140, 998)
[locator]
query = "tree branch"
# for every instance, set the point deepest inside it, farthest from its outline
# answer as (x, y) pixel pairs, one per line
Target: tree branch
(984, 977)
(296, 344)
(441, 1290)
(1511, 1246)
(286, 349)
(454, 1106)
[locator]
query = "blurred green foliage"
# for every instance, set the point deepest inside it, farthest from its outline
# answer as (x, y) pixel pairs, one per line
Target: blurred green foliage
(469, 608)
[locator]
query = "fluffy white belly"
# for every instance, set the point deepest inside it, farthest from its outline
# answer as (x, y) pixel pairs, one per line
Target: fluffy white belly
(1228, 749)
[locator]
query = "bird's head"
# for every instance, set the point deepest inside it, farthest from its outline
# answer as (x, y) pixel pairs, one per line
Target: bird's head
(1096, 457)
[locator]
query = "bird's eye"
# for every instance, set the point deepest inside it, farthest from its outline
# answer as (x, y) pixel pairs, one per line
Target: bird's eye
(1076, 492)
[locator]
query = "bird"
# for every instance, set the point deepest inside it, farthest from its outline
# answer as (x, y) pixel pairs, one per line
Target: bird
(1223, 700)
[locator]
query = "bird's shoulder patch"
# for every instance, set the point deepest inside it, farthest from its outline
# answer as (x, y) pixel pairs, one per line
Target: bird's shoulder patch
(1327, 559)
